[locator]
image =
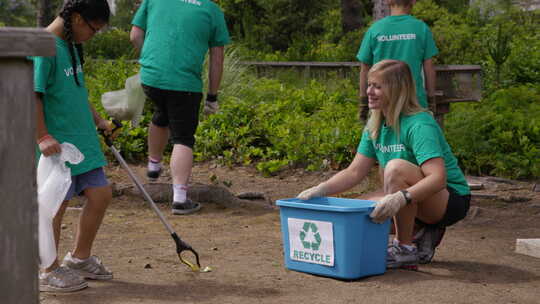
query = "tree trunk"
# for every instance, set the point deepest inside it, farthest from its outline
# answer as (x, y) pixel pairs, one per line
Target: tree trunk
(380, 9)
(45, 13)
(351, 15)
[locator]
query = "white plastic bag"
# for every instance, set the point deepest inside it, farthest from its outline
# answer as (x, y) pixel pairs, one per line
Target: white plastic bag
(136, 98)
(53, 181)
(126, 104)
(115, 104)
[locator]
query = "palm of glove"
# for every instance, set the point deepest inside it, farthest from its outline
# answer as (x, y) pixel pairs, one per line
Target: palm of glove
(210, 107)
(388, 207)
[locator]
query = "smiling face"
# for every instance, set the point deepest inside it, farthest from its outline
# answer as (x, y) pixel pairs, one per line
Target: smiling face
(376, 97)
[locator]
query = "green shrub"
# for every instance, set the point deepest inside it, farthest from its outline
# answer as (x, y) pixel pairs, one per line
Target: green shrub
(277, 125)
(112, 44)
(499, 136)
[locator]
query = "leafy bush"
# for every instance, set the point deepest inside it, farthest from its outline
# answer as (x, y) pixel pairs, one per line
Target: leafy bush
(112, 44)
(278, 125)
(275, 124)
(499, 136)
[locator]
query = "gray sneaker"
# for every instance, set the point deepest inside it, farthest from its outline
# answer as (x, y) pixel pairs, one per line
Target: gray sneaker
(426, 240)
(186, 207)
(397, 256)
(91, 268)
(62, 279)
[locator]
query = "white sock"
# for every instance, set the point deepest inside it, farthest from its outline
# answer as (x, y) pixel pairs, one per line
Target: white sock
(74, 259)
(153, 165)
(180, 193)
(408, 247)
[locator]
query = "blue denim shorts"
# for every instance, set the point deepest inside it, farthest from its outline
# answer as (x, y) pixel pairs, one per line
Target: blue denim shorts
(91, 179)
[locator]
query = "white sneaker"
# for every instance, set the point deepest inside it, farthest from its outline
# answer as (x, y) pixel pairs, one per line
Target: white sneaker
(62, 279)
(91, 268)
(398, 256)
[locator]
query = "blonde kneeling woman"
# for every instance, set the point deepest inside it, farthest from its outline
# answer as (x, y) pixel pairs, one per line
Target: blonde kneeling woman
(422, 183)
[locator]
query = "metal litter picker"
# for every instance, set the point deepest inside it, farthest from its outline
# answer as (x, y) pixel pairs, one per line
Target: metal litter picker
(181, 246)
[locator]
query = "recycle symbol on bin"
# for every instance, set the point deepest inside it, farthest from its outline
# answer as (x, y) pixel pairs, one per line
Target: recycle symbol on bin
(310, 237)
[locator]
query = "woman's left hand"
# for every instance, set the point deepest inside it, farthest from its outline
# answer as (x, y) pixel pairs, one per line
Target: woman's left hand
(389, 206)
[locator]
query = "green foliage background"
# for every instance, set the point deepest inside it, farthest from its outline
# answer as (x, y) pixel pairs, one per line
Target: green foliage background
(284, 121)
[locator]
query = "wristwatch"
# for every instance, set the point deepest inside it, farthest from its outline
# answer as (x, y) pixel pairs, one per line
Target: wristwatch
(407, 195)
(211, 97)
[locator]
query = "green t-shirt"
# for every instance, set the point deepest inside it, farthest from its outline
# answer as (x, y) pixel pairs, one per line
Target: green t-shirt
(403, 38)
(421, 139)
(65, 105)
(178, 35)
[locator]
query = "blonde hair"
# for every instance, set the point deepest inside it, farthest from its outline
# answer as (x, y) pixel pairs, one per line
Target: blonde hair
(399, 95)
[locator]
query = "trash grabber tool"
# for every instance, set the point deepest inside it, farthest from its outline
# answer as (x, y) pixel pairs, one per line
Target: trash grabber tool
(181, 246)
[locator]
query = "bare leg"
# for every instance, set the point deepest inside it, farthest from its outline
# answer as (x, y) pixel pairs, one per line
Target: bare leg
(400, 174)
(181, 164)
(90, 219)
(57, 227)
(158, 138)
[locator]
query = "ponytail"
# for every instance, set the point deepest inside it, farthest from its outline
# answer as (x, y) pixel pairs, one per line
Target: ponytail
(90, 10)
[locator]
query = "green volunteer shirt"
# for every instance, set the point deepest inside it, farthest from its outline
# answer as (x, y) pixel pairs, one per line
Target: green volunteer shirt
(421, 139)
(65, 105)
(178, 35)
(403, 38)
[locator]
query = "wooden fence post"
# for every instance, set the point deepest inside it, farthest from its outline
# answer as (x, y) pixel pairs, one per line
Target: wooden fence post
(18, 199)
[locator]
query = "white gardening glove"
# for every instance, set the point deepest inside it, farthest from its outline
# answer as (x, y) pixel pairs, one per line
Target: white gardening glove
(388, 207)
(317, 191)
(211, 105)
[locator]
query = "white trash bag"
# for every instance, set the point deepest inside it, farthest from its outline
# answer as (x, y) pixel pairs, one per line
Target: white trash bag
(53, 181)
(126, 104)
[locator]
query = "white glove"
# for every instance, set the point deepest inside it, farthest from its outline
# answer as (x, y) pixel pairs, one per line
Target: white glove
(389, 206)
(317, 191)
(210, 107)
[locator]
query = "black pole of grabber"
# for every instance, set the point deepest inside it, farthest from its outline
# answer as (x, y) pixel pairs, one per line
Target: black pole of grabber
(180, 244)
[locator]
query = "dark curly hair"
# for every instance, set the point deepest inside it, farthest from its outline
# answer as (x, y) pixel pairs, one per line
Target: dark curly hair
(90, 10)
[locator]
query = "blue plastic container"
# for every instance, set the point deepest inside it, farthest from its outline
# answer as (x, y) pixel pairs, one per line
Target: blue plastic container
(358, 246)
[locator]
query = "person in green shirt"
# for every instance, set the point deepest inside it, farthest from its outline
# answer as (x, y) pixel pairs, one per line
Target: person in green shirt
(422, 182)
(400, 36)
(174, 38)
(64, 114)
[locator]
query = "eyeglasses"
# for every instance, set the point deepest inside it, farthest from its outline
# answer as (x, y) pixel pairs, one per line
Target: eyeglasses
(90, 26)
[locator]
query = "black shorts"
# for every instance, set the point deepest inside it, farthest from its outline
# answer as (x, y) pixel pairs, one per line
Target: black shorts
(458, 206)
(177, 110)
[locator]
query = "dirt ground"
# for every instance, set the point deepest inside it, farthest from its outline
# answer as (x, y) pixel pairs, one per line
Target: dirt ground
(475, 263)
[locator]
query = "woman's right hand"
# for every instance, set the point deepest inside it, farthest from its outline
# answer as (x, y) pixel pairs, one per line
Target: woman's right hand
(49, 146)
(310, 193)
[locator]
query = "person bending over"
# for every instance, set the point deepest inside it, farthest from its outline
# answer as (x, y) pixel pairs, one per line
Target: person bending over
(422, 183)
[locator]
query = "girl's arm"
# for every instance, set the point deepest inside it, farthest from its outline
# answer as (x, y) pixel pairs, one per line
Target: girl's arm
(430, 76)
(215, 69)
(343, 180)
(100, 122)
(47, 144)
(351, 176)
(362, 85)
(433, 182)
(136, 36)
